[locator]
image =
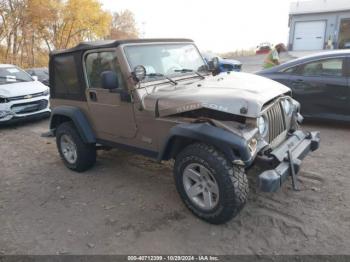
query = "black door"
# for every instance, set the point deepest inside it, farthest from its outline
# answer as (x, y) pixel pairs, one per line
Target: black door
(285, 76)
(322, 88)
(347, 73)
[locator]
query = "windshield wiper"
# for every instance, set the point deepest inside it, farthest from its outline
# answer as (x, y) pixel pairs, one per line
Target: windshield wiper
(185, 70)
(161, 75)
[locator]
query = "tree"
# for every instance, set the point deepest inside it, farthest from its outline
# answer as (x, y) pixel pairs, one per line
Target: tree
(44, 17)
(81, 20)
(123, 26)
(30, 29)
(12, 17)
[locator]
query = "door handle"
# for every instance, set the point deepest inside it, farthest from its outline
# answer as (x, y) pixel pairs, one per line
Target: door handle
(92, 96)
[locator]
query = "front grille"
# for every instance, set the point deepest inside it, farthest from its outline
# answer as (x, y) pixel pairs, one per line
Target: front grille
(276, 121)
(31, 107)
(25, 96)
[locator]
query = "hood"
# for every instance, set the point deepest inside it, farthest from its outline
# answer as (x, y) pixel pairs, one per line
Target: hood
(231, 61)
(21, 89)
(236, 93)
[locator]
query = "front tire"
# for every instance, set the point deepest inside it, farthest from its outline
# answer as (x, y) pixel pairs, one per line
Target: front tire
(76, 154)
(210, 186)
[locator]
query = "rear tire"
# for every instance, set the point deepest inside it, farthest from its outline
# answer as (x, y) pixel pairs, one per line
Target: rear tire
(227, 184)
(76, 154)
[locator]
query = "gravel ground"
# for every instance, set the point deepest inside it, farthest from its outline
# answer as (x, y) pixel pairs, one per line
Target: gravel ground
(128, 204)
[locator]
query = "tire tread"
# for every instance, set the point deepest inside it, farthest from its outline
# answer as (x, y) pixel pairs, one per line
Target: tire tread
(86, 152)
(235, 182)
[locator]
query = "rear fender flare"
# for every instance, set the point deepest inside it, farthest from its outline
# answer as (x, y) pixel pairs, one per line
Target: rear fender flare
(79, 119)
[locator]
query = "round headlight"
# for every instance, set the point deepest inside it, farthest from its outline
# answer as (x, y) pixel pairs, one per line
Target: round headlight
(287, 106)
(262, 126)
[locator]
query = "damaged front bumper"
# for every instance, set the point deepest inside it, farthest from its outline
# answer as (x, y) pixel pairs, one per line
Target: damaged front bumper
(289, 156)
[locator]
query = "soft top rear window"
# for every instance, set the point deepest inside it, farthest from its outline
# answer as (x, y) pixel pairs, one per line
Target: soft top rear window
(66, 77)
(65, 81)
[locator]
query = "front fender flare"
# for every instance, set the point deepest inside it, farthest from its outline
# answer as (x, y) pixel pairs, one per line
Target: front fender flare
(232, 145)
(77, 117)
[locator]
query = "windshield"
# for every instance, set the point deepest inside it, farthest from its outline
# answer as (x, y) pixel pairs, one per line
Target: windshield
(10, 75)
(41, 73)
(165, 59)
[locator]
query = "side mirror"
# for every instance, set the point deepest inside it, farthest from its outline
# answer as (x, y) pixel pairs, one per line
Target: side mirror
(35, 78)
(214, 65)
(139, 73)
(109, 80)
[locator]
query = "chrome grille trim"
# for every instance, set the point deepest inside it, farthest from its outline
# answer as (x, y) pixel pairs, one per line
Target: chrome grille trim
(15, 98)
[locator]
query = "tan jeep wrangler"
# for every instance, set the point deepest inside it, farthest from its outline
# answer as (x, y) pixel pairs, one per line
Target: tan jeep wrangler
(157, 97)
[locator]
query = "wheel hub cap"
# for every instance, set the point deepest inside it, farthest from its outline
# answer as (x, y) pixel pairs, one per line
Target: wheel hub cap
(69, 149)
(201, 186)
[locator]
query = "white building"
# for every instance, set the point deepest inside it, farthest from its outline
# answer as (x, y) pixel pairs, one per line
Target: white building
(319, 24)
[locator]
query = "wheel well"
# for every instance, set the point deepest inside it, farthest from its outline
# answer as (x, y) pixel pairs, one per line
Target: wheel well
(64, 114)
(176, 145)
(234, 147)
(59, 119)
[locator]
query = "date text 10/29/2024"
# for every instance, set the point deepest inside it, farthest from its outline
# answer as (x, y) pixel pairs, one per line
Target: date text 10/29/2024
(173, 258)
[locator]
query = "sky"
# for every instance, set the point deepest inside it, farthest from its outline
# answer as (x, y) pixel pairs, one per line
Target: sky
(219, 26)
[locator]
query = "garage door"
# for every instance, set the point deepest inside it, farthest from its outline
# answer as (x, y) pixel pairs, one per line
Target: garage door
(309, 35)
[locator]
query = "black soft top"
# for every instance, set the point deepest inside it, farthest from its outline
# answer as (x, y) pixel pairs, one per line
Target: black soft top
(67, 80)
(114, 43)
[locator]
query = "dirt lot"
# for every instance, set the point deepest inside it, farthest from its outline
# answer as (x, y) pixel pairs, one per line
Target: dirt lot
(128, 204)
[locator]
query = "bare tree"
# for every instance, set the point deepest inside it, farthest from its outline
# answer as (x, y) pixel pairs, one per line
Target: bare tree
(123, 26)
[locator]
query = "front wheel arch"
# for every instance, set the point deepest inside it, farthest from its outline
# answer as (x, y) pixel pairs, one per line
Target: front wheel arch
(182, 135)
